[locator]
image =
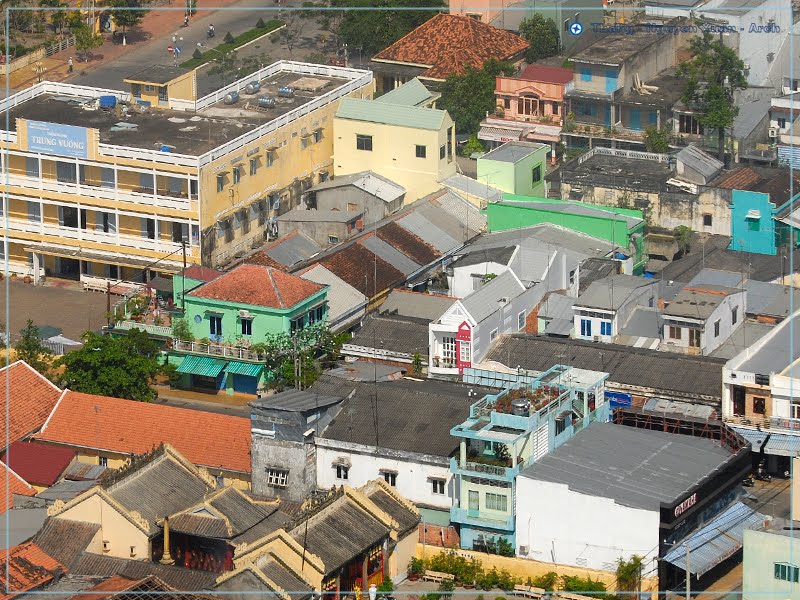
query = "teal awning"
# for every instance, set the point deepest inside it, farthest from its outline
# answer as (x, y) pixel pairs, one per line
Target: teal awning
(248, 369)
(202, 365)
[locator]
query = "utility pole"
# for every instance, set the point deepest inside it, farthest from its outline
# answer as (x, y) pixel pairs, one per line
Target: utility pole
(183, 278)
(688, 573)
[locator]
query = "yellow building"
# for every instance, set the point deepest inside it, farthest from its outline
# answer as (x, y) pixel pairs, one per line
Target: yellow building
(104, 185)
(397, 137)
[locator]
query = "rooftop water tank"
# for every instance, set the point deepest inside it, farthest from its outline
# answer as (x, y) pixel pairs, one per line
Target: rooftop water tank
(286, 92)
(266, 102)
(231, 98)
(519, 407)
(108, 101)
(252, 87)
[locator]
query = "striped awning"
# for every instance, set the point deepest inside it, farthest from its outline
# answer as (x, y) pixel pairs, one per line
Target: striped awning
(202, 365)
(499, 134)
(241, 368)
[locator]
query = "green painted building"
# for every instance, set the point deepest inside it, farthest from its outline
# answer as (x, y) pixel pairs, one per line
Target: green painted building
(516, 168)
(621, 226)
(770, 565)
(234, 311)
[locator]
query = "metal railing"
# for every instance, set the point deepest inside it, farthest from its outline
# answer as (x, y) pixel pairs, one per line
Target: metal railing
(660, 158)
(60, 45)
(159, 330)
(217, 350)
(484, 468)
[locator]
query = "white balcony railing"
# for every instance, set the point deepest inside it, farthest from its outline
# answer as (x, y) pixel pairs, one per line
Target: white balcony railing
(217, 350)
(90, 191)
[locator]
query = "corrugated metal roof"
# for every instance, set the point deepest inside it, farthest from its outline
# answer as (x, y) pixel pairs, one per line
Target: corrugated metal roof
(390, 114)
(412, 93)
(755, 437)
(783, 444)
(293, 249)
(202, 365)
(391, 255)
(427, 232)
(485, 301)
(246, 369)
(716, 541)
(703, 163)
(463, 211)
(342, 297)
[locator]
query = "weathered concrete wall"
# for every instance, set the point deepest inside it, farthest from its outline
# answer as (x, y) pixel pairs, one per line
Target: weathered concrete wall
(298, 459)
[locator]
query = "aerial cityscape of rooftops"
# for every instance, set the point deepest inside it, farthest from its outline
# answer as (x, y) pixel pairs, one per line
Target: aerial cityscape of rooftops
(477, 299)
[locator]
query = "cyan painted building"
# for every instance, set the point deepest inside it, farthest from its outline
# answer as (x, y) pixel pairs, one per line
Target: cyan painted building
(509, 430)
(234, 312)
(758, 226)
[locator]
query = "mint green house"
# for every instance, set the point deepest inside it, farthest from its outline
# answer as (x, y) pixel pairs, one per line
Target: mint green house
(771, 565)
(623, 227)
(234, 311)
(516, 168)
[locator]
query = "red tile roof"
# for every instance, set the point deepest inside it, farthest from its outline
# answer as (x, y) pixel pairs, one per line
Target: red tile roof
(406, 242)
(38, 464)
(447, 44)
(131, 427)
(740, 179)
(546, 74)
(201, 273)
(31, 399)
(16, 485)
(26, 567)
(363, 270)
(108, 588)
(258, 286)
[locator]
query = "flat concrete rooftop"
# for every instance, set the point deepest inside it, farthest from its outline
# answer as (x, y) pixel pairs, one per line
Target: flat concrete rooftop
(188, 133)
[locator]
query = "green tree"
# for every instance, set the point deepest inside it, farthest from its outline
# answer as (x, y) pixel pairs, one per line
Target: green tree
(374, 30)
(683, 235)
(86, 39)
(472, 146)
(712, 76)
(122, 367)
(29, 348)
(127, 14)
(470, 96)
(656, 140)
(181, 330)
(629, 574)
(542, 35)
(54, 10)
(292, 32)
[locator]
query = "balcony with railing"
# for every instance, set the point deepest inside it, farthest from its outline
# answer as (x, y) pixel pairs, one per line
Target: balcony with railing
(218, 350)
(478, 518)
(473, 467)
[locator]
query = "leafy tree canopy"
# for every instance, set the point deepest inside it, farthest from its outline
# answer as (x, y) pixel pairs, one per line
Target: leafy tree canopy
(127, 13)
(122, 367)
(542, 35)
(29, 348)
(470, 96)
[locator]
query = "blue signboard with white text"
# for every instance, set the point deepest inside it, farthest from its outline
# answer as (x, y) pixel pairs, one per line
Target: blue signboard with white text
(61, 140)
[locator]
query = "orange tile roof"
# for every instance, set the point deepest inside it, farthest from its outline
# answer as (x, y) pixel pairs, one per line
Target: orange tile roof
(131, 427)
(740, 179)
(447, 44)
(258, 285)
(16, 485)
(26, 567)
(108, 588)
(31, 399)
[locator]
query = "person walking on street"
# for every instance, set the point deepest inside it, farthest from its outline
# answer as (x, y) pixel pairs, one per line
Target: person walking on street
(69, 65)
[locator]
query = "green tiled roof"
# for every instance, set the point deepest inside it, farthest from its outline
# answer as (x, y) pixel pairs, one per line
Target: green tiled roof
(412, 93)
(202, 365)
(390, 114)
(240, 368)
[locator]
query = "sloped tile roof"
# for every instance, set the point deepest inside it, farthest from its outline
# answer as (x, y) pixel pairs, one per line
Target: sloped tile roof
(362, 269)
(256, 285)
(450, 43)
(201, 273)
(65, 540)
(16, 485)
(31, 399)
(38, 464)
(406, 242)
(405, 517)
(129, 427)
(740, 179)
(179, 578)
(546, 74)
(26, 567)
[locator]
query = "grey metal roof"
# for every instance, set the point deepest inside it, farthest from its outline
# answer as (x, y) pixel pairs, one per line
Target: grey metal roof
(717, 540)
(557, 308)
(393, 333)
(644, 322)
(473, 187)
(342, 297)
(455, 215)
(296, 401)
(411, 93)
(20, 525)
(698, 302)
(415, 223)
(500, 255)
(612, 292)
(700, 161)
(744, 336)
(415, 304)
(783, 444)
(66, 490)
(778, 350)
(688, 409)
(512, 152)
(755, 437)
(410, 416)
(394, 257)
(370, 182)
(716, 277)
(485, 301)
(359, 370)
(319, 216)
(699, 376)
(578, 209)
(634, 467)
(754, 105)
(293, 249)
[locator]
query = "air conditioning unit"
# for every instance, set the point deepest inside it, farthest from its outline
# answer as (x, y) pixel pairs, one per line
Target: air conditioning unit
(596, 338)
(244, 314)
(523, 550)
(773, 133)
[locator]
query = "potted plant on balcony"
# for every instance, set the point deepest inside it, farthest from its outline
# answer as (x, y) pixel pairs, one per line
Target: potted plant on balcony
(415, 569)
(435, 361)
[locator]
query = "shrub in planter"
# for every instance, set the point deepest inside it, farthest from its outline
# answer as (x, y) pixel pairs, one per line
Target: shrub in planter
(446, 589)
(27, 279)
(415, 569)
(506, 581)
(385, 588)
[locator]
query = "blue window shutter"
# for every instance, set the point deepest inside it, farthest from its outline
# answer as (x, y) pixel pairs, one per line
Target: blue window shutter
(653, 118)
(586, 73)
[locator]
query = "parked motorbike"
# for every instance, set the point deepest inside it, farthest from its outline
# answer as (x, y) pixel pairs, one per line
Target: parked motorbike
(748, 482)
(210, 33)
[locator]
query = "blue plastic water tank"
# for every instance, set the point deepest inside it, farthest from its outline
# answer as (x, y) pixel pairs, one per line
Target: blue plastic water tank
(165, 148)
(108, 101)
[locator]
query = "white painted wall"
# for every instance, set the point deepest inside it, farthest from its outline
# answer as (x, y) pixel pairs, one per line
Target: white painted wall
(462, 281)
(596, 317)
(562, 526)
(414, 471)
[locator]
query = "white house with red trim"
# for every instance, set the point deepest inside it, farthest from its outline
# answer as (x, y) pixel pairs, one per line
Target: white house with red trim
(463, 334)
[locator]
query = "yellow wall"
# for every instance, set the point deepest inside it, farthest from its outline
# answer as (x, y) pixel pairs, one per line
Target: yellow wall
(114, 528)
(393, 154)
(404, 551)
(525, 568)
